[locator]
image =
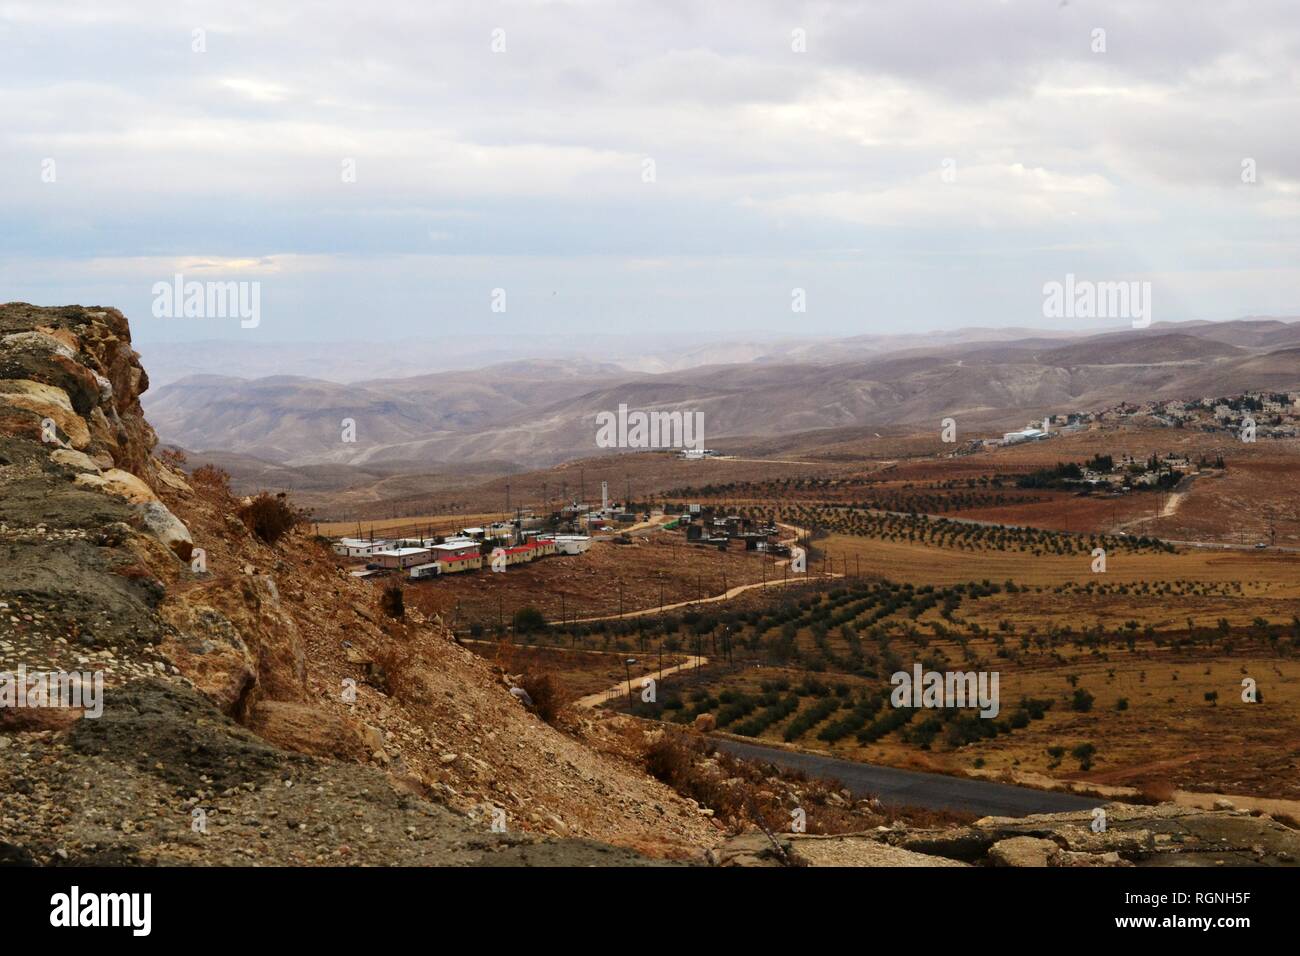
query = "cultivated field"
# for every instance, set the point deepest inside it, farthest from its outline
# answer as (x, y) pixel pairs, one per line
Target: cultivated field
(1131, 675)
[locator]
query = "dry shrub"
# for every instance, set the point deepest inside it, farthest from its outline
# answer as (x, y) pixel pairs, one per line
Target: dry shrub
(545, 694)
(670, 760)
(393, 670)
(212, 479)
(270, 517)
(1286, 819)
(676, 759)
(391, 601)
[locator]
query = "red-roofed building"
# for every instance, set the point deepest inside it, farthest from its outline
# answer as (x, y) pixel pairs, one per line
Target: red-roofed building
(452, 563)
(522, 553)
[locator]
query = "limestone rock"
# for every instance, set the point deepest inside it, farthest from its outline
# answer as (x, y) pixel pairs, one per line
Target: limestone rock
(1025, 851)
(153, 517)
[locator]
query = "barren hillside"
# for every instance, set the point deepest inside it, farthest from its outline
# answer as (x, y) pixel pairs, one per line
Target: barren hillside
(531, 414)
(99, 541)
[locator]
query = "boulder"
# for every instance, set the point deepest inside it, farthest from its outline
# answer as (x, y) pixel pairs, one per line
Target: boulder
(154, 518)
(114, 481)
(1025, 851)
(46, 401)
(76, 460)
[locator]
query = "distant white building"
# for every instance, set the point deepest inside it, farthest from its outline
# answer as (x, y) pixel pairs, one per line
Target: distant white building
(360, 547)
(572, 543)
(455, 547)
(1025, 434)
(399, 559)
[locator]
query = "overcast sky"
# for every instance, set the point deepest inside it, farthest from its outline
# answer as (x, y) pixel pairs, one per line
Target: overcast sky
(915, 165)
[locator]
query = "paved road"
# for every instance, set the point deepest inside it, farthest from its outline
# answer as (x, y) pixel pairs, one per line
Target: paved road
(912, 788)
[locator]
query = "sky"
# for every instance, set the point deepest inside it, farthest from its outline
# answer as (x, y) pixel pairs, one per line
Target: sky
(670, 168)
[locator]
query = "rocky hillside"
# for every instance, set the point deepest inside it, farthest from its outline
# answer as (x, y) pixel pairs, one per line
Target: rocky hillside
(229, 667)
(259, 707)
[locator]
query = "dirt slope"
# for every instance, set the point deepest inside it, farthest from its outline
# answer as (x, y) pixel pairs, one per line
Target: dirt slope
(98, 542)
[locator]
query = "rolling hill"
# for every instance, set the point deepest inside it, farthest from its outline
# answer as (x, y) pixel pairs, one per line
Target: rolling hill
(528, 414)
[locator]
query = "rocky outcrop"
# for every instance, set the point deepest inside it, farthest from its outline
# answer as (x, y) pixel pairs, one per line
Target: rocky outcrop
(1162, 835)
(70, 382)
(115, 561)
(78, 361)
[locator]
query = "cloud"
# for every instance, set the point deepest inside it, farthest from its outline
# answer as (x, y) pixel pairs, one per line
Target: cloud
(1064, 157)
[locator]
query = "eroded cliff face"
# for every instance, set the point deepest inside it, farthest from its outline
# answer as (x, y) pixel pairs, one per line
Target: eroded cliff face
(76, 366)
(114, 560)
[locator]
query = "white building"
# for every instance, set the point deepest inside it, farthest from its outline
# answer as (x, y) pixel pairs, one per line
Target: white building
(572, 543)
(360, 547)
(401, 558)
(1025, 434)
(455, 548)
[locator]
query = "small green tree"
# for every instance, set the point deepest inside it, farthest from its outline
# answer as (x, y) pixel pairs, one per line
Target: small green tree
(529, 619)
(391, 601)
(1084, 754)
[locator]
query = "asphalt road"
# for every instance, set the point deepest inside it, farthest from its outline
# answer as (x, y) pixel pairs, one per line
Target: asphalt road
(912, 788)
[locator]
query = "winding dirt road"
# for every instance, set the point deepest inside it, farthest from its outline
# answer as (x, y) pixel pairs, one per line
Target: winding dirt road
(622, 688)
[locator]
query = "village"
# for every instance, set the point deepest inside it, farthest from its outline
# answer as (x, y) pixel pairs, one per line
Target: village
(1270, 414)
(528, 536)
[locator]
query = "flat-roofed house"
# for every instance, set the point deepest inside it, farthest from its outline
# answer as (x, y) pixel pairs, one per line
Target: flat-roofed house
(522, 553)
(572, 543)
(455, 547)
(455, 563)
(399, 559)
(360, 547)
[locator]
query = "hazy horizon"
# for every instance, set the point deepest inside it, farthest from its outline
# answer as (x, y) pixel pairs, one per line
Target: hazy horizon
(620, 167)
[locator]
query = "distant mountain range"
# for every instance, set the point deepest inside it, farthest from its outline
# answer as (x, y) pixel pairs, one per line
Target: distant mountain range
(538, 412)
